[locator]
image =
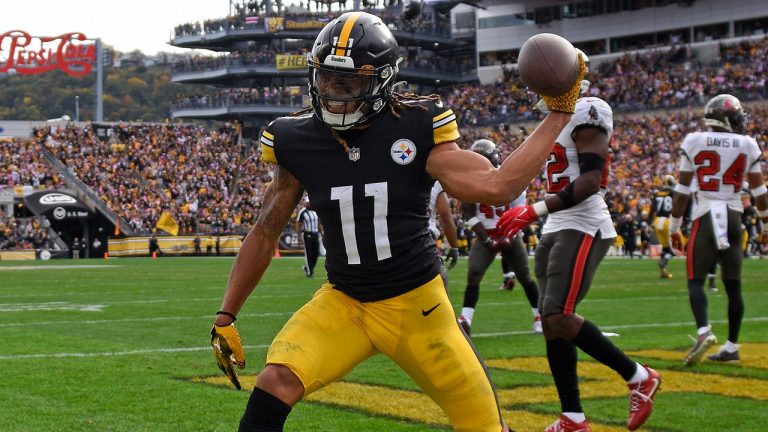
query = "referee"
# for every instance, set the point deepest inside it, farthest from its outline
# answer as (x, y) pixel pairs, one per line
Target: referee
(309, 224)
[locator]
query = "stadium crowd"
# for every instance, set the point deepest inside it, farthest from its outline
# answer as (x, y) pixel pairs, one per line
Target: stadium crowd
(21, 165)
(22, 233)
(640, 82)
(210, 185)
(200, 176)
(254, 14)
(231, 97)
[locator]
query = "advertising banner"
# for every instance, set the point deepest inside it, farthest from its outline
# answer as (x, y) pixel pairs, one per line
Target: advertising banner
(290, 61)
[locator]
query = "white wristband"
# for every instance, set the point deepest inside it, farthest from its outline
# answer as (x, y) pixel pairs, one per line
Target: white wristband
(540, 208)
(674, 224)
(763, 213)
(762, 189)
(682, 189)
(472, 222)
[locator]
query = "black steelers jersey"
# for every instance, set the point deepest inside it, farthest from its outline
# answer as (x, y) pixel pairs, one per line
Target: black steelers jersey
(372, 201)
(662, 203)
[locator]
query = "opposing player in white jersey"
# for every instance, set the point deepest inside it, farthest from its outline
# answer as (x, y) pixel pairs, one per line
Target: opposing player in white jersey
(439, 207)
(489, 242)
(719, 160)
(576, 236)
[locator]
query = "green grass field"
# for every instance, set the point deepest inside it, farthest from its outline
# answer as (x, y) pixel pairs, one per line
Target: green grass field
(122, 345)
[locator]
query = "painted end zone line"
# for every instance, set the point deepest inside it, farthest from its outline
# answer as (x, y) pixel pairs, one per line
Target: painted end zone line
(117, 353)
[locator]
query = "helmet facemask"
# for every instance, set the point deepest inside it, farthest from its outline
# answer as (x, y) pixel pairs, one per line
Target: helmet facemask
(347, 97)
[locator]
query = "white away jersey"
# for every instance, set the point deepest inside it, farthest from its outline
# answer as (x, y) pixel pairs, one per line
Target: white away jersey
(719, 162)
(590, 215)
(437, 189)
(488, 215)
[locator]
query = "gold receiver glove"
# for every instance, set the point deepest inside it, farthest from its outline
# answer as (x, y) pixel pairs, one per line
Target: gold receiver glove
(228, 350)
(566, 102)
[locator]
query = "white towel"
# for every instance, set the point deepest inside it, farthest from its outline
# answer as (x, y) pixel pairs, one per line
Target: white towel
(719, 213)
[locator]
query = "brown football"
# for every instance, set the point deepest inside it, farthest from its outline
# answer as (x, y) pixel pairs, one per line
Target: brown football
(548, 64)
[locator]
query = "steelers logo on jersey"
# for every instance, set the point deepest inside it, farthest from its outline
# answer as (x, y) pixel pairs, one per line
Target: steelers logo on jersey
(403, 151)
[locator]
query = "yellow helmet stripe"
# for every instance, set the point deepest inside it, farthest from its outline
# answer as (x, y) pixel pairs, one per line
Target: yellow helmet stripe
(341, 45)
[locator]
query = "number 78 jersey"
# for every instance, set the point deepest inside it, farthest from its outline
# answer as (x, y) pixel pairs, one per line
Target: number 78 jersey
(719, 161)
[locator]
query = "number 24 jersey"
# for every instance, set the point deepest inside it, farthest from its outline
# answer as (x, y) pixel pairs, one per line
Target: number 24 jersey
(719, 162)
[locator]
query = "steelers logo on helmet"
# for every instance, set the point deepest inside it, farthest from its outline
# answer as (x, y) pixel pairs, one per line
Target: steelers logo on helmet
(487, 148)
(352, 69)
(725, 112)
(403, 151)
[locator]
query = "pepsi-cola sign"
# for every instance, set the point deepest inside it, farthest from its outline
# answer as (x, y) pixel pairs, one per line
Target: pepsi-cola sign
(29, 55)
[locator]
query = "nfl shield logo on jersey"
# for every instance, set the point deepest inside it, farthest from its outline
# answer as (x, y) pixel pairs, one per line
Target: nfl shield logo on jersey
(403, 151)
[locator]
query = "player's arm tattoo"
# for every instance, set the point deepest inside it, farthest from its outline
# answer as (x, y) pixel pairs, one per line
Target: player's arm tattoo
(280, 199)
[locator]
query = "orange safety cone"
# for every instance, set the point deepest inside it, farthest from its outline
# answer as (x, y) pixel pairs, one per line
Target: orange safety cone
(154, 255)
(106, 255)
(277, 253)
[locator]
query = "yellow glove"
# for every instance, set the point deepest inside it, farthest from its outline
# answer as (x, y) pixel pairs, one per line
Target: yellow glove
(228, 349)
(566, 102)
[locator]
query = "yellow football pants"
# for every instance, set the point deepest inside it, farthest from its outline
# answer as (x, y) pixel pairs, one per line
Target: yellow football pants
(333, 333)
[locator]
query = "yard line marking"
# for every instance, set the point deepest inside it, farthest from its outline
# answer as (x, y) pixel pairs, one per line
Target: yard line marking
(195, 349)
(56, 267)
(624, 327)
(50, 306)
(163, 318)
(116, 353)
(108, 293)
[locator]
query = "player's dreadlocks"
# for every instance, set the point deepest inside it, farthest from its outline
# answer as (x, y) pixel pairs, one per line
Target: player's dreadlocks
(396, 105)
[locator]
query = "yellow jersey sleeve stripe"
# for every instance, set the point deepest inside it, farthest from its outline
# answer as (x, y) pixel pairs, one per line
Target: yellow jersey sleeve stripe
(342, 44)
(268, 154)
(268, 135)
(448, 132)
(442, 115)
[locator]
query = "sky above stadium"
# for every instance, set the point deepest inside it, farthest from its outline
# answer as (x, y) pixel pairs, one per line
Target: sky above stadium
(145, 25)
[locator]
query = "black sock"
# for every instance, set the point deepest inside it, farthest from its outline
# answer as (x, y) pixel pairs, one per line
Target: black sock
(735, 308)
(592, 341)
(471, 295)
(264, 413)
(698, 302)
(562, 358)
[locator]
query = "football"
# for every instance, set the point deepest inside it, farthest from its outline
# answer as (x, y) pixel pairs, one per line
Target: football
(548, 64)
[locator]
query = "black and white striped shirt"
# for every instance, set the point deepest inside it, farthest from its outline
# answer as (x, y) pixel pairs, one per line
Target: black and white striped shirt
(309, 220)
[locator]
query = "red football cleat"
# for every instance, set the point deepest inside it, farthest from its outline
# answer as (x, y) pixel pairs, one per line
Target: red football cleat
(641, 399)
(564, 424)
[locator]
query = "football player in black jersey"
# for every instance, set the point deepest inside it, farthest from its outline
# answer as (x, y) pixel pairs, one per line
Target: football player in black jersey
(661, 209)
(367, 157)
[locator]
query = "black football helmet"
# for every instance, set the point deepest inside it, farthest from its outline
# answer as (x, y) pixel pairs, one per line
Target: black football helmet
(352, 69)
(487, 148)
(725, 112)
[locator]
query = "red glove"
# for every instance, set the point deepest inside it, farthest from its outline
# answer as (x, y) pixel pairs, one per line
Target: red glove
(676, 243)
(499, 244)
(515, 219)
